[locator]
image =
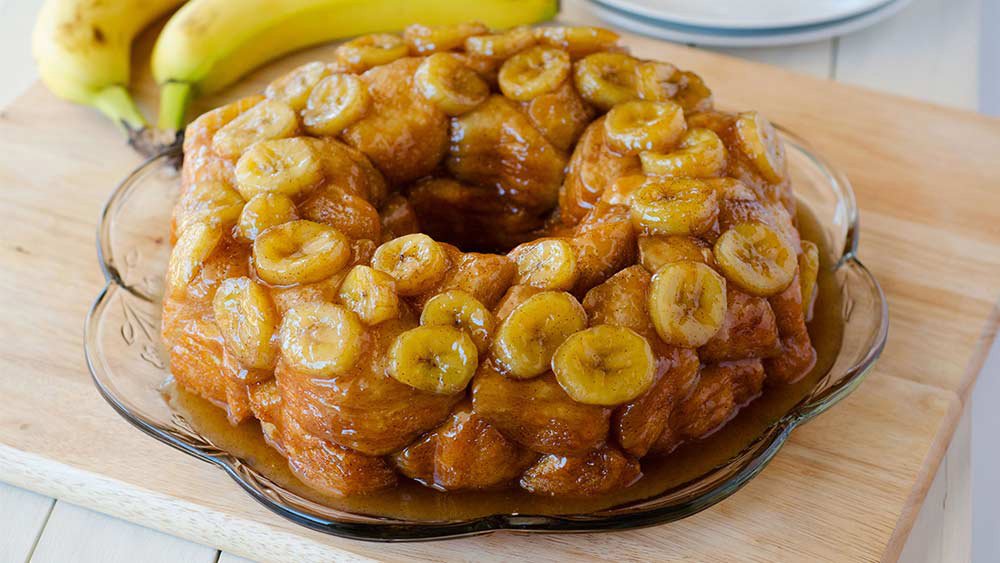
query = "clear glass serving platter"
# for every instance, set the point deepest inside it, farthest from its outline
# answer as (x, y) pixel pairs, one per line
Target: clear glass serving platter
(128, 363)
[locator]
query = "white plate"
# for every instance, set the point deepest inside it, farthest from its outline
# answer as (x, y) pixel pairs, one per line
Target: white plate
(743, 37)
(746, 14)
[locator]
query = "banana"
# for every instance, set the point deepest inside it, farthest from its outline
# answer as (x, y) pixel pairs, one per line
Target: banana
(281, 166)
(449, 84)
(579, 41)
(293, 88)
(607, 79)
(459, 309)
(438, 359)
(362, 53)
(808, 273)
(675, 207)
(657, 250)
(501, 46)
(269, 120)
(756, 258)
(193, 247)
(425, 39)
(262, 212)
(247, 319)
(700, 154)
(654, 81)
(527, 339)
(604, 365)
(533, 72)
(208, 44)
(300, 252)
(371, 294)
(335, 103)
(208, 202)
(761, 143)
(687, 303)
(416, 261)
(321, 339)
(83, 51)
(546, 264)
(640, 125)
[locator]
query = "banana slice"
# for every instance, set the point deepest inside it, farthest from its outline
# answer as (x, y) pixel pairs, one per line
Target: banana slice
(760, 142)
(638, 125)
(294, 88)
(269, 119)
(755, 258)
(371, 294)
(657, 250)
(300, 252)
(700, 154)
(501, 46)
(808, 274)
(675, 207)
(208, 202)
(692, 95)
(533, 72)
(459, 309)
(623, 189)
(606, 79)
(687, 303)
(321, 339)
(530, 335)
(546, 264)
(424, 39)
(579, 41)
(262, 212)
(604, 365)
(194, 246)
(376, 49)
(655, 81)
(437, 359)
(450, 85)
(284, 166)
(336, 102)
(247, 320)
(416, 261)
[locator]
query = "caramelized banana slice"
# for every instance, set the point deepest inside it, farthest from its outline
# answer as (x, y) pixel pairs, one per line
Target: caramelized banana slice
(362, 53)
(208, 202)
(693, 95)
(459, 309)
(321, 339)
(636, 126)
(284, 166)
(270, 119)
(700, 154)
(193, 247)
(300, 252)
(294, 88)
(371, 294)
(757, 259)
(501, 46)
(760, 142)
(533, 72)
(262, 212)
(655, 81)
(657, 250)
(687, 303)
(450, 85)
(606, 79)
(546, 264)
(335, 103)
(416, 261)
(247, 320)
(527, 339)
(808, 274)
(579, 41)
(424, 39)
(675, 207)
(437, 359)
(604, 365)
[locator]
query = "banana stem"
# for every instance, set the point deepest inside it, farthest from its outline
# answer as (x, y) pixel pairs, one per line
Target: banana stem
(116, 103)
(174, 100)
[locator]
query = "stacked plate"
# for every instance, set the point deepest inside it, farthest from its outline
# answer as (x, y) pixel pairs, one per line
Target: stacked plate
(742, 23)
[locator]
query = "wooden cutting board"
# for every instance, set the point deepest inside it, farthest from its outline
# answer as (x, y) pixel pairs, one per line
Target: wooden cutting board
(846, 486)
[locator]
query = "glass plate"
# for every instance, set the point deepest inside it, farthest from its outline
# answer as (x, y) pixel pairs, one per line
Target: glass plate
(127, 360)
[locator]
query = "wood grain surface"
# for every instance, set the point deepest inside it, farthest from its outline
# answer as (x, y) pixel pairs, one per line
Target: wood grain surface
(847, 485)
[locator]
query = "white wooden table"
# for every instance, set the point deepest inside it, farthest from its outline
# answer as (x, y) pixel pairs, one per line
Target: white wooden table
(933, 50)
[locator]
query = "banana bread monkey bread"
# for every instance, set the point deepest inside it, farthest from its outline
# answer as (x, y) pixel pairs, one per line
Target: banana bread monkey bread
(485, 259)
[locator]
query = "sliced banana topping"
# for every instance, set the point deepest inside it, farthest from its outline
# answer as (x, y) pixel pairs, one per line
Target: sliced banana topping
(294, 88)
(700, 154)
(416, 261)
(533, 72)
(284, 166)
(501, 46)
(336, 102)
(623, 189)
(449, 84)
(459, 309)
(546, 264)
(530, 335)
(371, 294)
(655, 81)
(437, 359)
(362, 53)
(208, 202)
(808, 274)
(424, 39)
(760, 142)
(687, 303)
(194, 246)
(262, 212)
(655, 251)
(321, 339)
(604, 365)
(675, 207)
(692, 94)
(269, 119)
(300, 252)
(579, 41)
(247, 320)
(638, 125)
(606, 79)
(755, 258)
